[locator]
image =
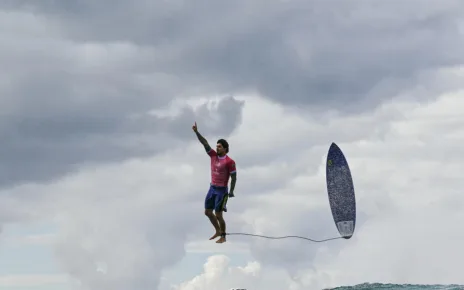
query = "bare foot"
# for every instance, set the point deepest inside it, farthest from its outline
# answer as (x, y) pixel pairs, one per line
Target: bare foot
(221, 240)
(215, 236)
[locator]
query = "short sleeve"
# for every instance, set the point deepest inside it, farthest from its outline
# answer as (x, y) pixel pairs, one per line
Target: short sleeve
(211, 153)
(231, 167)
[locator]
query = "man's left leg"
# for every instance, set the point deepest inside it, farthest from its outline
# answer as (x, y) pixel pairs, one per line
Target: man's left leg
(222, 225)
(219, 210)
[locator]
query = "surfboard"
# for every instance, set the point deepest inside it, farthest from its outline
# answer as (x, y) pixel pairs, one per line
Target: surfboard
(341, 193)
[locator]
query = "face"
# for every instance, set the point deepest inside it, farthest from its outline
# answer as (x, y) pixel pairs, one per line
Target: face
(219, 149)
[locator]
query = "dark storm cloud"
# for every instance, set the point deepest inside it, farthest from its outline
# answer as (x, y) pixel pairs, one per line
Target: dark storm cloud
(40, 148)
(57, 113)
(74, 84)
(65, 103)
(335, 54)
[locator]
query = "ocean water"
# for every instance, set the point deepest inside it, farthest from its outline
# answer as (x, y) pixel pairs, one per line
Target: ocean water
(368, 286)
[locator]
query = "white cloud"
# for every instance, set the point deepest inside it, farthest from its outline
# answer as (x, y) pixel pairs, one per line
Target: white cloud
(218, 275)
(122, 224)
(204, 246)
(406, 165)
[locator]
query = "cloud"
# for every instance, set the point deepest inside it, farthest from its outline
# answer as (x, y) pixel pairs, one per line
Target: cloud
(32, 239)
(123, 223)
(66, 103)
(96, 111)
(14, 281)
(407, 184)
(219, 273)
(81, 81)
(144, 211)
(350, 56)
(119, 221)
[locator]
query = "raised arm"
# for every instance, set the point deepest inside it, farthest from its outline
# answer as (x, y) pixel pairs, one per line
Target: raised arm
(201, 138)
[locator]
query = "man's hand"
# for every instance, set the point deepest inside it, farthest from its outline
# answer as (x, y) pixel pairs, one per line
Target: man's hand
(231, 194)
(195, 128)
(201, 138)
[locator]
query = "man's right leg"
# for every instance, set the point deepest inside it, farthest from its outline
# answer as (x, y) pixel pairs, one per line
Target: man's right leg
(209, 206)
(219, 209)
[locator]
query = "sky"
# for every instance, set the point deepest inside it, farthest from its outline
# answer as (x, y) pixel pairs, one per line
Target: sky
(103, 182)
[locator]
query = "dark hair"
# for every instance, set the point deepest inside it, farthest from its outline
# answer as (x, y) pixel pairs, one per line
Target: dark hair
(224, 144)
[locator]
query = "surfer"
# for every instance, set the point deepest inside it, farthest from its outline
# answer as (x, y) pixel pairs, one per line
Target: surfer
(222, 167)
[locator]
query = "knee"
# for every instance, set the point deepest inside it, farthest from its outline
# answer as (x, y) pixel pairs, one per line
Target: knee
(218, 215)
(208, 212)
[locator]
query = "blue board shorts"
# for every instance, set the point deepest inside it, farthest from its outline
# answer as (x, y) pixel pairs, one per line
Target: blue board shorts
(216, 198)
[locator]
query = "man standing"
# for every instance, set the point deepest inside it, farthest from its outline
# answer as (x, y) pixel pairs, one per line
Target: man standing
(222, 166)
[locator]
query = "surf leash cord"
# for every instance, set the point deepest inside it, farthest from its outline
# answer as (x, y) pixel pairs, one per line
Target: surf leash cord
(283, 237)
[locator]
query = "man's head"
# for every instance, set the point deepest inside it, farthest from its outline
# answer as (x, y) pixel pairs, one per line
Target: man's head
(222, 147)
